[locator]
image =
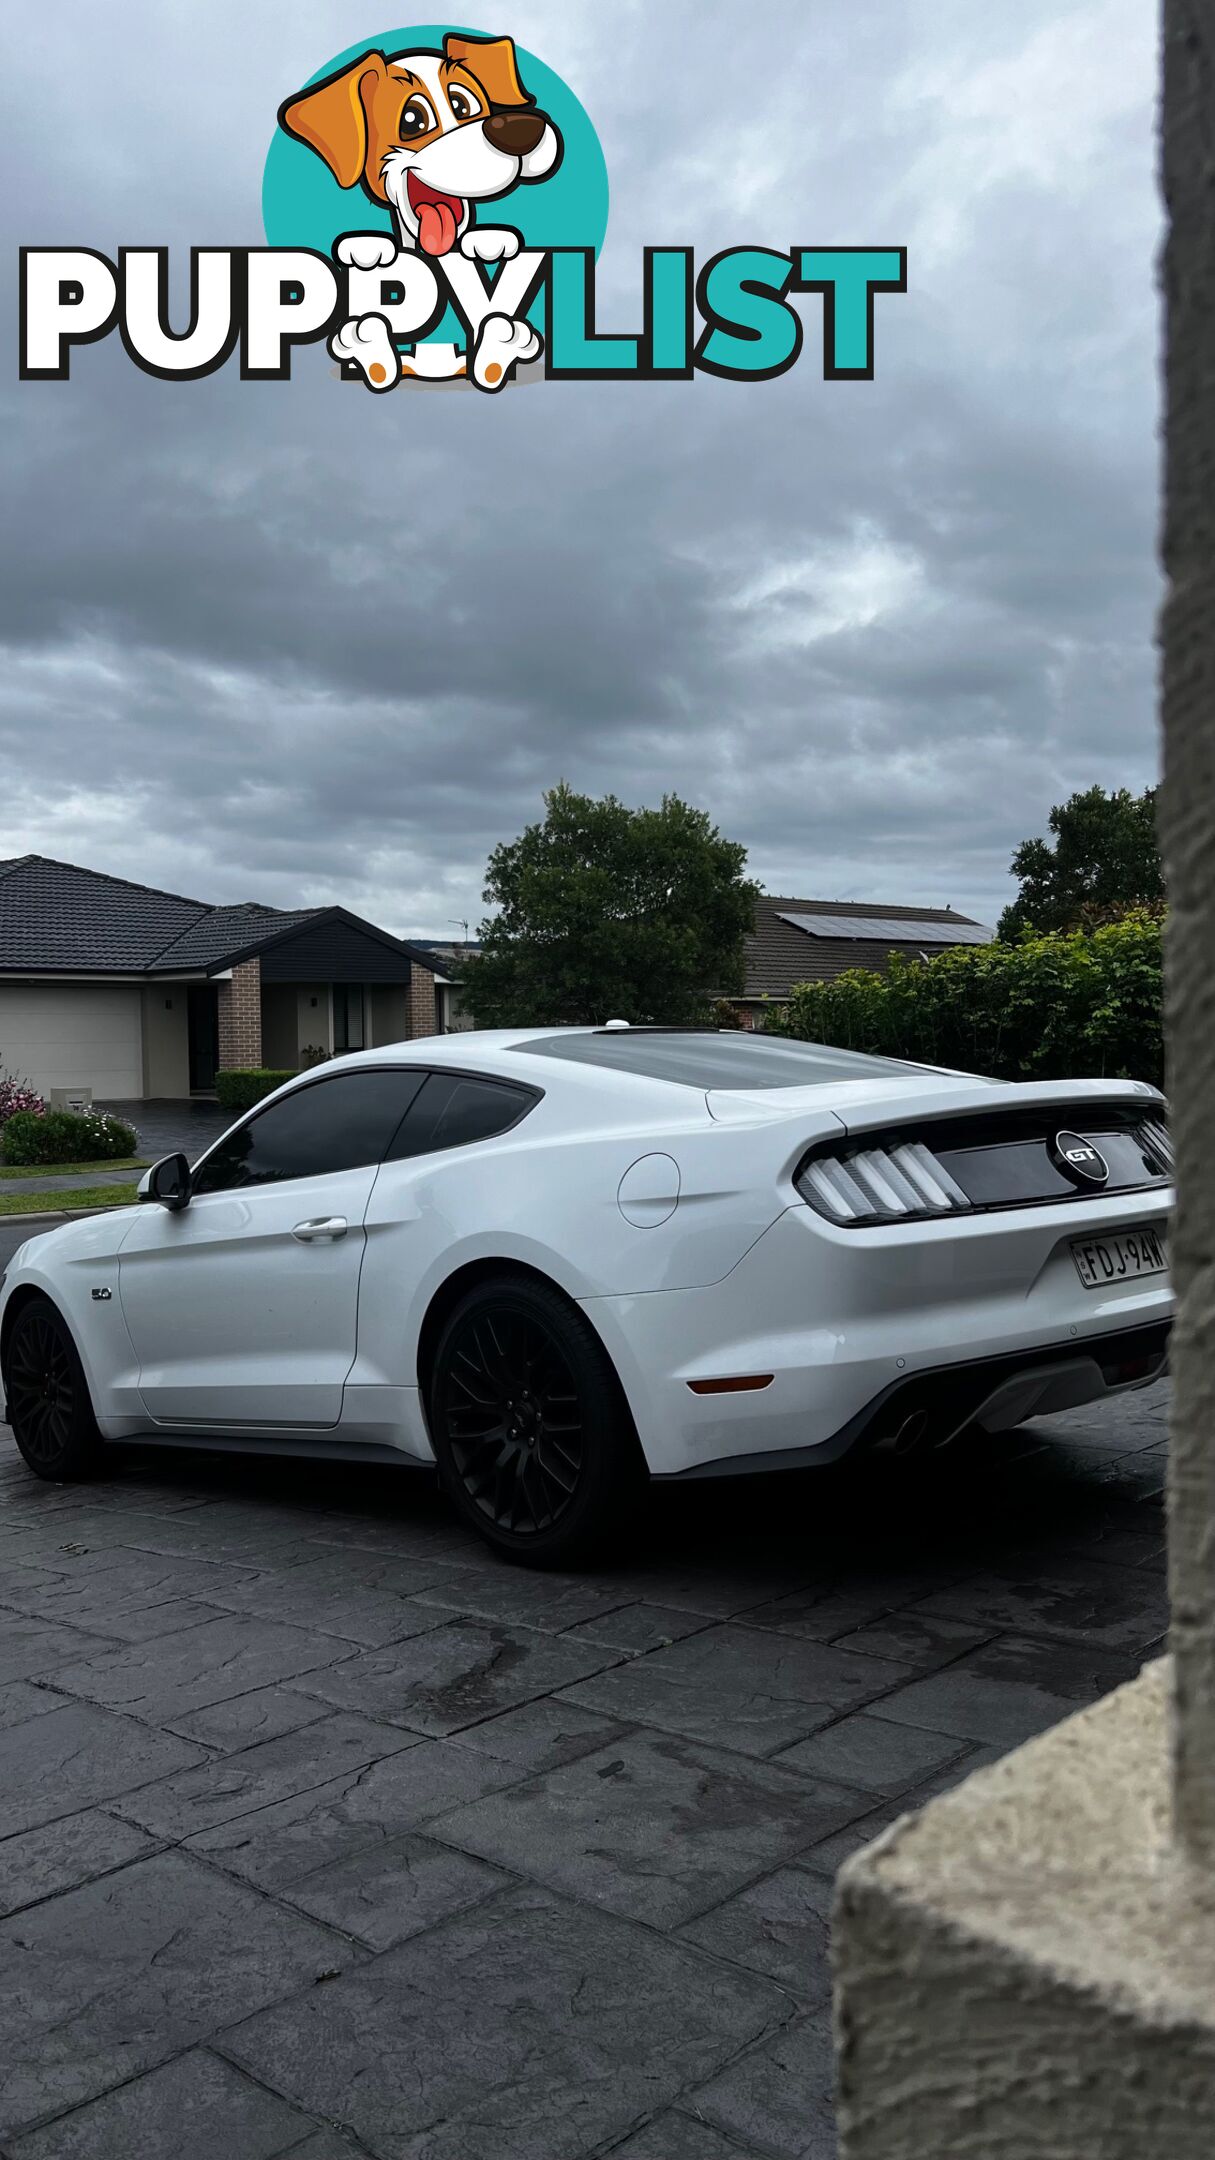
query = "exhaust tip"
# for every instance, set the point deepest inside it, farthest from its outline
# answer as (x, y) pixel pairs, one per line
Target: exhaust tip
(911, 1433)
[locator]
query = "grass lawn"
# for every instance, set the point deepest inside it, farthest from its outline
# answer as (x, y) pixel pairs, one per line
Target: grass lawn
(67, 1169)
(76, 1196)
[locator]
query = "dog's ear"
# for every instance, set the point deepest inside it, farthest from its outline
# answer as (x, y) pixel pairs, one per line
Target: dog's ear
(492, 61)
(331, 117)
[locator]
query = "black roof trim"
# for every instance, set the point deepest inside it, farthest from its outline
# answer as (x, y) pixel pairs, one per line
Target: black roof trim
(322, 915)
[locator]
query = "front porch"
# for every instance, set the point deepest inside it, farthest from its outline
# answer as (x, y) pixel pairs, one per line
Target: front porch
(247, 1020)
(286, 1008)
(192, 1031)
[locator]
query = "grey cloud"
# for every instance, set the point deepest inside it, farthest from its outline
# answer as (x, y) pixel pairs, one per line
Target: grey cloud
(292, 642)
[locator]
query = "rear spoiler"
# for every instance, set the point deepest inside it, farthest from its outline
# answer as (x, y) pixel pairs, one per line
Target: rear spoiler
(863, 1105)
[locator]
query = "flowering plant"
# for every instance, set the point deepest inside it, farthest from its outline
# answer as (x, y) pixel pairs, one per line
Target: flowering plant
(17, 1095)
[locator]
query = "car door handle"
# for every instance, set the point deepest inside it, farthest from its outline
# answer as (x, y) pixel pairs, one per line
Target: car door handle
(322, 1226)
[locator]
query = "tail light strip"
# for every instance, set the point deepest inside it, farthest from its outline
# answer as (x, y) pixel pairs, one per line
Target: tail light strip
(880, 1183)
(904, 1180)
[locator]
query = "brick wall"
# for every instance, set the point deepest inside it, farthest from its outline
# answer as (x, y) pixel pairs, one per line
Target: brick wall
(422, 1019)
(240, 1018)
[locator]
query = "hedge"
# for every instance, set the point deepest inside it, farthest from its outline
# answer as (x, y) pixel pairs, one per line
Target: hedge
(239, 1089)
(63, 1136)
(1079, 1004)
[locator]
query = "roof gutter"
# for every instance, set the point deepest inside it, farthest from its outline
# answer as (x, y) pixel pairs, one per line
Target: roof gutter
(97, 975)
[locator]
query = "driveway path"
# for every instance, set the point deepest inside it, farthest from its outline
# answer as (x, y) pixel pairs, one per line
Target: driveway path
(324, 1835)
(165, 1126)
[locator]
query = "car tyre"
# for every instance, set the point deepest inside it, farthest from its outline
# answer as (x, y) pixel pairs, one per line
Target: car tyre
(535, 1444)
(47, 1394)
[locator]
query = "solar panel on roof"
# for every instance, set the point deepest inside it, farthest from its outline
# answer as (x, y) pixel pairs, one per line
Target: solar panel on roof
(891, 929)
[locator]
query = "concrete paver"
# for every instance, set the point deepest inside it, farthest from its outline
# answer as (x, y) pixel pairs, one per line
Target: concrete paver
(324, 1835)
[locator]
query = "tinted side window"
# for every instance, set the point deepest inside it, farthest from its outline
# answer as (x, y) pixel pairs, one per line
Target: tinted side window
(338, 1124)
(452, 1112)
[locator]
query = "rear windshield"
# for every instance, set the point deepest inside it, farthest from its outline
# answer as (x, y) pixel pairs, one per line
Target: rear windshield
(715, 1061)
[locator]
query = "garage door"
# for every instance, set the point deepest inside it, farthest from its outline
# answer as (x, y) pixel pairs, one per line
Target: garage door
(73, 1035)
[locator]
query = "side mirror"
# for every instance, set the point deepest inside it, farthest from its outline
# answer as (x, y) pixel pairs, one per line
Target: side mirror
(168, 1181)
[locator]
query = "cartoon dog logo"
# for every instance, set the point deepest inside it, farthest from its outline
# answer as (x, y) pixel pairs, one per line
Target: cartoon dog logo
(431, 135)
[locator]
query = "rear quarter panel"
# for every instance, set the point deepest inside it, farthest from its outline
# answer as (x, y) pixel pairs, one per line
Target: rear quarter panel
(548, 1199)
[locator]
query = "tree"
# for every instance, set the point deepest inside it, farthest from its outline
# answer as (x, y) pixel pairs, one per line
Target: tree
(1105, 860)
(607, 913)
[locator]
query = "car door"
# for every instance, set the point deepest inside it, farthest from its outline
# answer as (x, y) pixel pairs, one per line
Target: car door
(243, 1307)
(409, 1225)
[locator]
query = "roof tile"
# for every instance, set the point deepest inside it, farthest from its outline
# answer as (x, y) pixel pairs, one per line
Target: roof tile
(56, 918)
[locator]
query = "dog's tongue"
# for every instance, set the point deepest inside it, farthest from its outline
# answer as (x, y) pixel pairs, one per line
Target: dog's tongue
(436, 227)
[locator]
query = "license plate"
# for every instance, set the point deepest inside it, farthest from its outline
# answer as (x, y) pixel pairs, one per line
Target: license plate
(1123, 1256)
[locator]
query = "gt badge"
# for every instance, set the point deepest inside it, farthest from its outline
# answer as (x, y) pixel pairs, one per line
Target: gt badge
(1079, 1160)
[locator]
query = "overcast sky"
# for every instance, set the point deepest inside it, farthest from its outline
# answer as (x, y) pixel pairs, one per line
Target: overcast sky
(294, 643)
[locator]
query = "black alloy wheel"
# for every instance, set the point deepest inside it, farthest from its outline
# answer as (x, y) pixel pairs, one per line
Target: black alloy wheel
(533, 1439)
(47, 1395)
(513, 1420)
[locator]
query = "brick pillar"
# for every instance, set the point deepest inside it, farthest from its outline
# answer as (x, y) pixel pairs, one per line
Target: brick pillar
(240, 1018)
(1187, 831)
(421, 1002)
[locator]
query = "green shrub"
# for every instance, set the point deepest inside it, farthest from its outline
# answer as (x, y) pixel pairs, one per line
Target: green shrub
(1079, 1004)
(239, 1090)
(62, 1136)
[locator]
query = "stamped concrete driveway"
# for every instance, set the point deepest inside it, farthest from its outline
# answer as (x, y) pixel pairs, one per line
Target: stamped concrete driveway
(166, 1127)
(324, 1834)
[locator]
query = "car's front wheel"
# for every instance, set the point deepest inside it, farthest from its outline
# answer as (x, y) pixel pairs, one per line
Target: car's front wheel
(533, 1438)
(48, 1396)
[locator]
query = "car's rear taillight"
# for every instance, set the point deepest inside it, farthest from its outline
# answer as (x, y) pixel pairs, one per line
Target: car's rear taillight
(982, 1161)
(880, 1184)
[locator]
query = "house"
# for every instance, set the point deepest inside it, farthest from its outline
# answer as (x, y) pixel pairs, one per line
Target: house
(796, 941)
(447, 961)
(122, 991)
(793, 941)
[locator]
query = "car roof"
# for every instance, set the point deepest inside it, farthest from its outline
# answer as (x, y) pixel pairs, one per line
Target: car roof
(474, 1047)
(663, 1063)
(501, 1054)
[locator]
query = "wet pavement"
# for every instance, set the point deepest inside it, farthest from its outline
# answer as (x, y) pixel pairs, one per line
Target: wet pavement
(322, 1833)
(168, 1127)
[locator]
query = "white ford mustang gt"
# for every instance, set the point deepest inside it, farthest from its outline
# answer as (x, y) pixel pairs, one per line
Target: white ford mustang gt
(557, 1259)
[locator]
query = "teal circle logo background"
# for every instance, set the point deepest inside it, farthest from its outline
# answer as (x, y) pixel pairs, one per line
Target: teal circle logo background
(303, 206)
